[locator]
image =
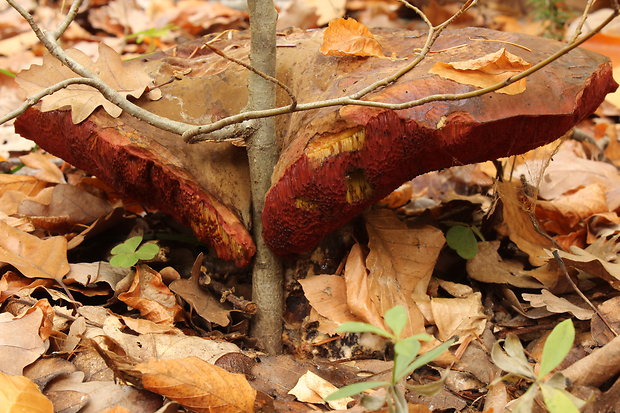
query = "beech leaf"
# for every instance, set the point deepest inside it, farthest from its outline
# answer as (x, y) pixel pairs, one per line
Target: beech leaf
(347, 37)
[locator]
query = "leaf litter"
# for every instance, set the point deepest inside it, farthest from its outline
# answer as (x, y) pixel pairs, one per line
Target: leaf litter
(146, 329)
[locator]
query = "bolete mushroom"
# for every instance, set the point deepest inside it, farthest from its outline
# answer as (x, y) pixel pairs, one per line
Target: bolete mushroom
(335, 161)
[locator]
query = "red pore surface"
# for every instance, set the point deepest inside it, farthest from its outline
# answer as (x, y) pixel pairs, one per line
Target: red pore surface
(340, 161)
(142, 169)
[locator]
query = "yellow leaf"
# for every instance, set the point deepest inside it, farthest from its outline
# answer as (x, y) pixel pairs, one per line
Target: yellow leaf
(486, 71)
(198, 385)
(349, 38)
(19, 394)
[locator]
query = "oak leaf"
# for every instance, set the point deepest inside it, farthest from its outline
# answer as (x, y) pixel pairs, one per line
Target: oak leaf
(127, 78)
(486, 71)
(349, 38)
(198, 385)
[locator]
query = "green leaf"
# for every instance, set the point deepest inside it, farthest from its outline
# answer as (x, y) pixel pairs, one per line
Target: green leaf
(124, 260)
(396, 318)
(127, 247)
(525, 403)
(512, 360)
(426, 358)
(462, 239)
(355, 388)
(405, 351)
(359, 327)
(557, 401)
(557, 346)
(7, 72)
(147, 251)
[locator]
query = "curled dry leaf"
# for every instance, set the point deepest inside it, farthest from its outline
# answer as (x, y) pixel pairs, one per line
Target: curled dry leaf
(198, 385)
(311, 388)
(149, 295)
(486, 71)
(557, 304)
(126, 78)
(347, 37)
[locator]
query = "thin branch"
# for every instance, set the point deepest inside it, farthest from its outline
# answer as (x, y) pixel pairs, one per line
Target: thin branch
(351, 100)
(560, 261)
(272, 79)
(582, 21)
(73, 11)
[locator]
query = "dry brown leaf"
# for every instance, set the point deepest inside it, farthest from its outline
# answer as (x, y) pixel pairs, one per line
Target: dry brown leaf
(557, 304)
(349, 38)
(311, 388)
(144, 347)
(70, 204)
(563, 214)
(20, 342)
(149, 295)
(488, 267)
(518, 224)
(358, 296)
(90, 273)
(12, 283)
(127, 78)
(201, 301)
(198, 385)
(327, 294)
(460, 317)
(401, 261)
(32, 256)
(49, 171)
(20, 394)
(15, 188)
(598, 259)
(486, 71)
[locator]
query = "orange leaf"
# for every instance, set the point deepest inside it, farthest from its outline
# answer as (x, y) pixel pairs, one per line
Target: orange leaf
(198, 385)
(486, 71)
(349, 38)
(20, 394)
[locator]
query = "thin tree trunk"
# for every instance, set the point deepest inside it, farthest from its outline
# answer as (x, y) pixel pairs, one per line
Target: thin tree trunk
(263, 153)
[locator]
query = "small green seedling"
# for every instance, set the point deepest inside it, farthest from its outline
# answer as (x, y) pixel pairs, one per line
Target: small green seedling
(462, 239)
(7, 72)
(512, 359)
(128, 254)
(153, 33)
(406, 360)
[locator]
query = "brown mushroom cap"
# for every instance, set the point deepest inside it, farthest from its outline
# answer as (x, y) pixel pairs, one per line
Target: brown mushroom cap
(339, 161)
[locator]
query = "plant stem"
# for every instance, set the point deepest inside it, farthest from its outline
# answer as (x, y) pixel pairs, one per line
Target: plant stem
(263, 153)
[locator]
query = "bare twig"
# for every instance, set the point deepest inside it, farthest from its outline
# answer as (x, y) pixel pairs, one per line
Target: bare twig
(272, 79)
(73, 10)
(560, 261)
(582, 21)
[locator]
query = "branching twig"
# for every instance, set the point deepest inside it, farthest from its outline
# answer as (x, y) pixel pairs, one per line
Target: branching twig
(582, 21)
(560, 261)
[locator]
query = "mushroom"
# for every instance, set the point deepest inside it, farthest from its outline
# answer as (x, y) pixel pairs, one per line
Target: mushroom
(335, 161)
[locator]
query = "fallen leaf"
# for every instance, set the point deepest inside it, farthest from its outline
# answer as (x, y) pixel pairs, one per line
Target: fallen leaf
(127, 78)
(557, 304)
(400, 263)
(459, 316)
(311, 388)
(327, 294)
(48, 170)
(149, 295)
(32, 256)
(486, 71)
(349, 38)
(20, 342)
(20, 394)
(198, 385)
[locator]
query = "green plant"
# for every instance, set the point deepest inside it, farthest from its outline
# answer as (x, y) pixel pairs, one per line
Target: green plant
(128, 254)
(553, 13)
(462, 239)
(149, 35)
(512, 359)
(406, 360)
